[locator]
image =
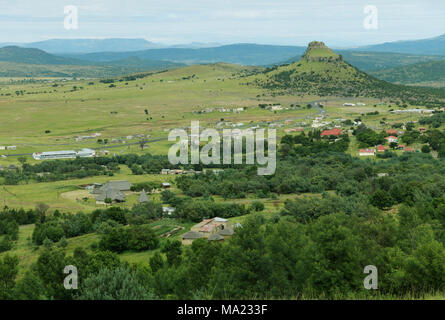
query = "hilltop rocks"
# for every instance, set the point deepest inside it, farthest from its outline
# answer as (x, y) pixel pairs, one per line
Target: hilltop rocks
(317, 51)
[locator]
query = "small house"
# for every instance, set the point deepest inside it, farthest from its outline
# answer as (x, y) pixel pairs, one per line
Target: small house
(391, 139)
(189, 237)
(143, 198)
(366, 152)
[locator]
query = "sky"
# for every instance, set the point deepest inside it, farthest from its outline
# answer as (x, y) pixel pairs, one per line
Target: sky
(339, 23)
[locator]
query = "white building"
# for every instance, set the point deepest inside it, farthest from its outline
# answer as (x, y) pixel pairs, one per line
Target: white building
(367, 152)
(66, 154)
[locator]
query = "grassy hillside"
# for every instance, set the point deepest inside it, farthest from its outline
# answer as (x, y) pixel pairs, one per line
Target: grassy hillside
(243, 54)
(323, 72)
(372, 61)
(421, 73)
(35, 56)
(25, 62)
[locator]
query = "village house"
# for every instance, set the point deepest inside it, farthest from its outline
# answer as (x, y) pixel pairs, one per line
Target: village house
(143, 198)
(393, 132)
(112, 190)
(189, 237)
(366, 152)
(216, 229)
(168, 211)
(381, 148)
(333, 132)
(392, 139)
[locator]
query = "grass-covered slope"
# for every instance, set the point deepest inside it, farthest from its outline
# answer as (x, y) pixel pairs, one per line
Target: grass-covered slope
(322, 72)
(420, 73)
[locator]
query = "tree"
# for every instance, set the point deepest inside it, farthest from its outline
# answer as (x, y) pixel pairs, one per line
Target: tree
(115, 284)
(142, 238)
(22, 160)
(172, 249)
(142, 143)
(8, 272)
(30, 287)
(50, 265)
(426, 149)
(257, 206)
(381, 199)
(157, 262)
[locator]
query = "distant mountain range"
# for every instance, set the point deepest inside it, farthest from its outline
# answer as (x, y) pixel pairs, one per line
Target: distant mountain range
(122, 56)
(28, 62)
(243, 54)
(82, 46)
(431, 46)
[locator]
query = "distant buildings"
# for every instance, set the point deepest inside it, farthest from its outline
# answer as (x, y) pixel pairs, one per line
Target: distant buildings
(366, 152)
(216, 229)
(113, 190)
(391, 139)
(143, 198)
(333, 132)
(67, 154)
(421, 111)
(393, 132)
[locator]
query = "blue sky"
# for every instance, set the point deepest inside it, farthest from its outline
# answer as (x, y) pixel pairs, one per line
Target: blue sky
(290, 22)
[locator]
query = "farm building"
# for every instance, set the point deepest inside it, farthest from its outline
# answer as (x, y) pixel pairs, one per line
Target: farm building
(333, 132)
(113, 190)
(209, 226)
(143, 198)
(121, 185)
(189, 237)
(392, 139)
(216, 237)
(393, 132)
(110, 193)
(168, 211)
(367, 152)
(67, 154)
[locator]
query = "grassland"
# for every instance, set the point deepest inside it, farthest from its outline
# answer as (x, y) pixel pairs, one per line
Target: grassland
(66, 109)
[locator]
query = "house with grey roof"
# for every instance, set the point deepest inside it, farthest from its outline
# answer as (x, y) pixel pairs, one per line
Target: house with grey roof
(113, 190)
(226, 232)
(121, 185)
(188, 237)
(143, 198)
(215, 237)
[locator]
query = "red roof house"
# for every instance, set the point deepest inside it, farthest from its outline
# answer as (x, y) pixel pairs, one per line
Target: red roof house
(392, 132)
(392, 139)
(332, 132)
(381, 148)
